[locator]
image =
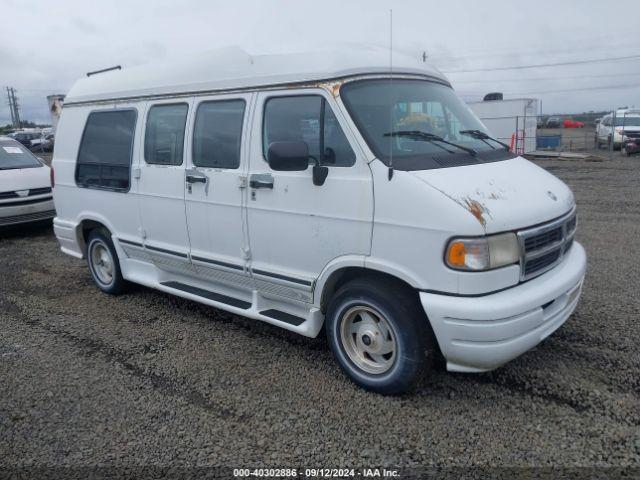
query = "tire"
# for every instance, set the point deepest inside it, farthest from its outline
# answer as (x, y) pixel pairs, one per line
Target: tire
(104, 264)
(400, 324)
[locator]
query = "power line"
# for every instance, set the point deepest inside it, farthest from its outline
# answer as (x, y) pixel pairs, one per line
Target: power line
(578, 44)
(586, 89)
(519, 53)
(536, 79)
(544, 65)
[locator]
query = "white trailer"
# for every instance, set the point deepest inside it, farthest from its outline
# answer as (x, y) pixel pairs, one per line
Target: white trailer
(55, 108)
(513, 121)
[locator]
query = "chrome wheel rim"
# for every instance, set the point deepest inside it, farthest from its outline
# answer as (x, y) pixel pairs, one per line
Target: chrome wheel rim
(368, 339)
(102, 263)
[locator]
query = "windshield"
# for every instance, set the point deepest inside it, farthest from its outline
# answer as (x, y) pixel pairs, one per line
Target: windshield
(386, 111)
(13, 155)
(628, 121)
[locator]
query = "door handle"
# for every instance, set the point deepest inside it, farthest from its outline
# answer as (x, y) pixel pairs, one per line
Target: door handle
(193, 178)
(261, 180)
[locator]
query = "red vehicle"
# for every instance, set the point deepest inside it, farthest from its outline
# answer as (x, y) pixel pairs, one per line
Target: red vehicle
(572, 124)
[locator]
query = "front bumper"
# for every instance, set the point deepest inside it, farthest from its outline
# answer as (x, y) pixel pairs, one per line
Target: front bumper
(34, 211)
(477, 334)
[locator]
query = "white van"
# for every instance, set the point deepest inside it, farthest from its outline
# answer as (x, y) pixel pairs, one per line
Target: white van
(320, 189)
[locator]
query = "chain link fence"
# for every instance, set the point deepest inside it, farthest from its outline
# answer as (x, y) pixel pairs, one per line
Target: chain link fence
(579, 133)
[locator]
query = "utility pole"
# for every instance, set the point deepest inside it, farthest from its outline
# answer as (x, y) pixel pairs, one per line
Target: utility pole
(10, 103)
(14, 108)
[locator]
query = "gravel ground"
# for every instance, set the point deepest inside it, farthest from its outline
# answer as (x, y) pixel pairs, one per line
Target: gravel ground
(148, 379)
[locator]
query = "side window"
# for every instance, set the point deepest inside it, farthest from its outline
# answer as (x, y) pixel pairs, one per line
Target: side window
(309, 119)
(217, 134)
(164, 135)
(337, 151)
(104, 158)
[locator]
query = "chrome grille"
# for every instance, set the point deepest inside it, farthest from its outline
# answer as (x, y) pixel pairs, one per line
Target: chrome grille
(543, 247)
(32, 192)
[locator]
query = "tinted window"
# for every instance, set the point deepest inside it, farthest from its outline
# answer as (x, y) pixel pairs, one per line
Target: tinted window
(311, 120)
(337, 151)
(105, 152)
(13, 155)
(164, 136)
(217, 134)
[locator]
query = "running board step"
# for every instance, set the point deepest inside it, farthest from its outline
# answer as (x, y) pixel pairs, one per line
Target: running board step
(283, 317)
(216, 297)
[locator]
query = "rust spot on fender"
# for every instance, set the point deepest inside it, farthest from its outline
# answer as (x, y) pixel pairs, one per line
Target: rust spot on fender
(476, 209)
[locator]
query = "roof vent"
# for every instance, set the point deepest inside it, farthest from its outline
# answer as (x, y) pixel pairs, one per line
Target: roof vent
(489, 97)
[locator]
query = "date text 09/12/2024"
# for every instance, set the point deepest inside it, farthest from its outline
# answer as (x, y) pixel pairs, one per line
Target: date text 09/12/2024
(316, 473)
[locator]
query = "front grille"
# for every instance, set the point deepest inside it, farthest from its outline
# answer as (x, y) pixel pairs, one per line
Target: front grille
(24, 201)
(32, 192)
(542, 240)
(29, 217)
(39, 191)
(533, 266)
(543, 247)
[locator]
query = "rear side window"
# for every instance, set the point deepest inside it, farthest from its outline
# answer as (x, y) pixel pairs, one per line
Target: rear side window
(217, 134)
(104, 159)
(164, 135)
(307, 118)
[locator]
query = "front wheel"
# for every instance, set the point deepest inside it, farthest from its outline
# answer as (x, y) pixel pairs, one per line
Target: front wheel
(379, 334)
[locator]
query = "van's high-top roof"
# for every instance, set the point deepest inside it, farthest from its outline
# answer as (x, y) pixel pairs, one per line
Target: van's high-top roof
(233, 68)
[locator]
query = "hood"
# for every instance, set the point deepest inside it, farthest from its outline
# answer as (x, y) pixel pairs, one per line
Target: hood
(24, 179)
(502, 196)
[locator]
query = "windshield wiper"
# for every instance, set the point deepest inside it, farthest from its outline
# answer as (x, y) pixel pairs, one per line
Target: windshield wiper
(430, 137)
(480, 135)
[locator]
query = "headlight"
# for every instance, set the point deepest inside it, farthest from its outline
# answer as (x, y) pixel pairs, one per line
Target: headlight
(483, 253)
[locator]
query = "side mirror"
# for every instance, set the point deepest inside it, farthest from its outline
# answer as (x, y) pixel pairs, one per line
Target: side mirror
(288, 156)
(319, 175)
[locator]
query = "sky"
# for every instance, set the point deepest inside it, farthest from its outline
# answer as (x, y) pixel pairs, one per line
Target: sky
(46, 45)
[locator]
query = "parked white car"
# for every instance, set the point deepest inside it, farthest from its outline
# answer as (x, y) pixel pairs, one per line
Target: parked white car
(627, 125)
(313, 189)
(25, 185)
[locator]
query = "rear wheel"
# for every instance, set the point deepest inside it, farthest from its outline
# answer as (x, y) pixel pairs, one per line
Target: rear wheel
(104, 264)
(379, 335)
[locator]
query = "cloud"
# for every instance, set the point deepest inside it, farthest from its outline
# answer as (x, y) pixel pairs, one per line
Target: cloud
(46, 45)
